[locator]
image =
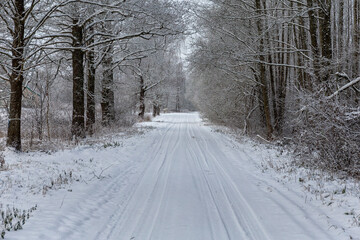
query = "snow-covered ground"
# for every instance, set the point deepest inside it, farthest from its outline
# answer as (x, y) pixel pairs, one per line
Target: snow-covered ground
(183, 180)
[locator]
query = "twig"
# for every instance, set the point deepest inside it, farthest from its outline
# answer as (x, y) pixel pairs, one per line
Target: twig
(99, 175)
(62, 202)
(263, 139)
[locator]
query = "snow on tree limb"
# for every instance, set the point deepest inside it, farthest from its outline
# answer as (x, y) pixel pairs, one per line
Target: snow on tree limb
(346, 86)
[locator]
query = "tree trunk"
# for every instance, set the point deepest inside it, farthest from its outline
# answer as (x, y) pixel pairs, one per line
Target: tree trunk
(356, 67)
(177, 106)
(340, 42)
(17, 77)
(325, 39)
(283, 88)
(108, 98)
(154, 109)
(90, 97)
(301, 43)
(40, 120)
(313, 28)
(262, 71)
(158, 110)
(325, 29)
(47, 90)
(272, 80)
(142, 98)
(78, 118)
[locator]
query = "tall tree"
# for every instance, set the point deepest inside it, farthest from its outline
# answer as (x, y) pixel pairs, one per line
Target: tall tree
(17, 74)
(91, 81)
(262, 70)
(107, 100)
(17, 45)
(78, 115)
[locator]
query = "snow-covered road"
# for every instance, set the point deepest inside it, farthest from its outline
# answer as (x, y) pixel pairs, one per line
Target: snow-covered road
(183, 181)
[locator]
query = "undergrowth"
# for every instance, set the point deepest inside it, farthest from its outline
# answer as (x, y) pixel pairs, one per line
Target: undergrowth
(13, 219)
(59, 181)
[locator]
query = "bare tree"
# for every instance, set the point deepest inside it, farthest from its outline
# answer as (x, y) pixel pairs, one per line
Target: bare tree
(276, 63)
(22, 26)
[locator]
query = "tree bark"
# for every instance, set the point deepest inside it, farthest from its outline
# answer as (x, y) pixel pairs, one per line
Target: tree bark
(90, 96)
(78, 118)
(301, 43)
(325, 29)
(313, 29)
(262, 70)
(340, 29)
(158, 110)
(283, 87)
(272, 81)
(325, 39)
(156, 106)
(356, 67)
(177, 105)
(142, 98)
(17, 77)
(108, 98)
(47, 90)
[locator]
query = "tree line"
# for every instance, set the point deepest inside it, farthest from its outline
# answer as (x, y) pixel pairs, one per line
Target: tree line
(285, 70)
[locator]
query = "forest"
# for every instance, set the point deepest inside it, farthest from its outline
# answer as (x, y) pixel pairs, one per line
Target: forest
(180, 119)
(70, 69)
(283, 71)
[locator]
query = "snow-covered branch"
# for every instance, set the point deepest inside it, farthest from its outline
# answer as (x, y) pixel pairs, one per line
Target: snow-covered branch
(346, 86)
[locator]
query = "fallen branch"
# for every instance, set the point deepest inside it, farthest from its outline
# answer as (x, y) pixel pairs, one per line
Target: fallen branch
(346, 86)
(263, 139)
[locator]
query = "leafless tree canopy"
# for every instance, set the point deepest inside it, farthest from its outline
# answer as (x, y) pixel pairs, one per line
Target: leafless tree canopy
(282, 70)
(69, 66)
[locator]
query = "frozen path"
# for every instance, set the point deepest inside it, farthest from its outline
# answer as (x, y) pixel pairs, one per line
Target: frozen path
(183, 182)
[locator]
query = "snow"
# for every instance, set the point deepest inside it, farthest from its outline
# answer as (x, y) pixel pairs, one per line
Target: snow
(182, 180)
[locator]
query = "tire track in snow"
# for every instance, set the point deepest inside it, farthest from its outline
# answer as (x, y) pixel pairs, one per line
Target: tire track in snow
(217, 226)
(160, 189)
(142, 197)
(186, 183)
(110, 196)
(225, 204)
(296, 209)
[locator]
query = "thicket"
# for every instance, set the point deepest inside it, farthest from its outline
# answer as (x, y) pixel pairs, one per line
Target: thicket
(284, 70)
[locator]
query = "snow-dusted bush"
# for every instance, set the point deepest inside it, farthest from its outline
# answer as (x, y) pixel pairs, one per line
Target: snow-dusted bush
(13, 219)
(62, 179)
(328, 134)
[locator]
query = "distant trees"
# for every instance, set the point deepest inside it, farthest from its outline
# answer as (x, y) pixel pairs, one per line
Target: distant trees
(278, 62)
(160, 74)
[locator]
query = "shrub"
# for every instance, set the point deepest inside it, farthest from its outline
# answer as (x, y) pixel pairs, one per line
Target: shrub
(13, 219)
(328, 135)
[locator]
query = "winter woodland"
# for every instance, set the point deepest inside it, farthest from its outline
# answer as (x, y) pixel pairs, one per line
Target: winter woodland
(285, 70)
(70, 67)
(283, 74)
